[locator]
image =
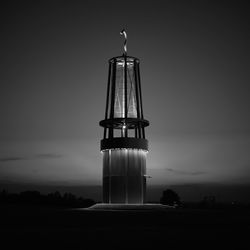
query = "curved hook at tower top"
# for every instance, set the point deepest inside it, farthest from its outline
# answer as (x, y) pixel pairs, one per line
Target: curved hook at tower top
(123, 32)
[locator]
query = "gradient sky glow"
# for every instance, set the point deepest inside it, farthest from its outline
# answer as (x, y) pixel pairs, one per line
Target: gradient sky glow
(195, 85)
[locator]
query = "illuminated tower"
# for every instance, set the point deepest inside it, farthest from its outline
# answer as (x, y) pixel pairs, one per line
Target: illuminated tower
(124, 146)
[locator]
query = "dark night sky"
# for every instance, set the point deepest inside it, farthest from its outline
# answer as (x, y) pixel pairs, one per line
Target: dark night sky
(195, 83)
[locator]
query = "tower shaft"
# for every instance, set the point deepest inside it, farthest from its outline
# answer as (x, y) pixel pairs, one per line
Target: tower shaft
(124, 146)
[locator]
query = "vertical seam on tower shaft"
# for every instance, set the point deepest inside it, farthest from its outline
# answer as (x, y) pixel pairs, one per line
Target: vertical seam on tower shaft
(109, 163)
(126, 165)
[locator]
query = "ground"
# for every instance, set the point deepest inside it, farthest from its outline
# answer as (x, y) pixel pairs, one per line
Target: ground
(37, 227)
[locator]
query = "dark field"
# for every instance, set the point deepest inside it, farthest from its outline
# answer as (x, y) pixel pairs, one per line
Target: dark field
(36, 227)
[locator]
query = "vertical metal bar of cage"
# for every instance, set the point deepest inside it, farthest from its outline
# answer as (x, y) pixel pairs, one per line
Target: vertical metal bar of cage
(136, 72)
(126, 92)
(136, 90)
(111, 134)
(107, 101)
(139, 83)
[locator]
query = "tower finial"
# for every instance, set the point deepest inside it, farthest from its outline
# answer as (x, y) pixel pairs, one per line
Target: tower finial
(123, 32)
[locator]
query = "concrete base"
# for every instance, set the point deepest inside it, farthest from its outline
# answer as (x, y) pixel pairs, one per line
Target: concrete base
(129, 207)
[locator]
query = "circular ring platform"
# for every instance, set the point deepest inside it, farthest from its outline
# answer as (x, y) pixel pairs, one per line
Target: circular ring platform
(118, 123)
(124, 142)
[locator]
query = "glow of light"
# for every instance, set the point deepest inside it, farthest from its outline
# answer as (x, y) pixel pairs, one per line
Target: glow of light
(142, 150)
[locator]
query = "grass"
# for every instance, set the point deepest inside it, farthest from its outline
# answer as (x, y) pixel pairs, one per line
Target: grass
(38, 227)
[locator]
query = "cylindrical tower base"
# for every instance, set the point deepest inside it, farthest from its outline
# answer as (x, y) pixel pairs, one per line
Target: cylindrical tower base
(124, 178)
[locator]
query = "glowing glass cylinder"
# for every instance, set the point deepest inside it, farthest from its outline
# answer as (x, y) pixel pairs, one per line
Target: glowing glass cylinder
(124, 178)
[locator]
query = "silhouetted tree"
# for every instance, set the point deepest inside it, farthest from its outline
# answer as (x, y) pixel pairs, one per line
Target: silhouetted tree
(170, 197)
(36, 198)
(30, 196)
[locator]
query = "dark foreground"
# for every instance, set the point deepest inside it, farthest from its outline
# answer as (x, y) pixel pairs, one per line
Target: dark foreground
(57, 228)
